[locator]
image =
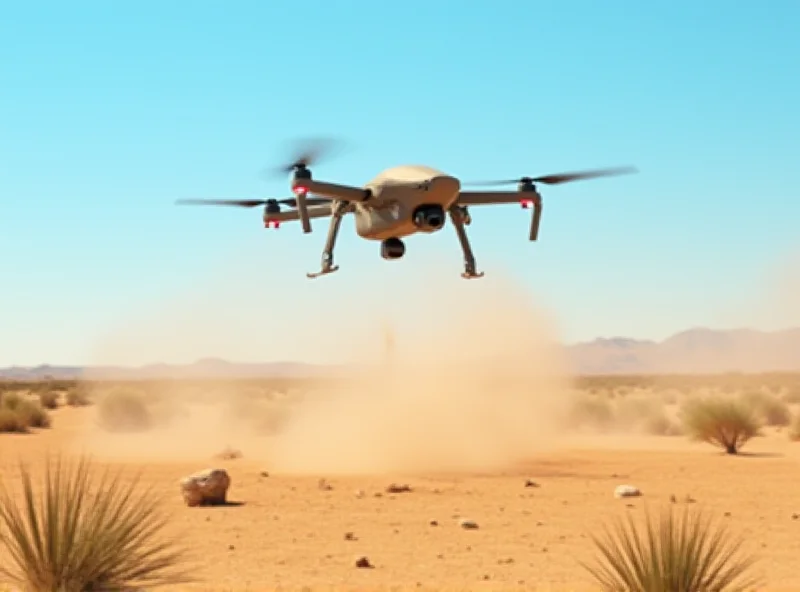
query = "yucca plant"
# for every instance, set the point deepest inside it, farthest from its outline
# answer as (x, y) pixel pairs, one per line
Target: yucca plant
(80, 534)
(677, 553)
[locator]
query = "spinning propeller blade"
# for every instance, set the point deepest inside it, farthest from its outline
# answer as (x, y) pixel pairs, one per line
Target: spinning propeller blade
(249, 203)
(559, 178)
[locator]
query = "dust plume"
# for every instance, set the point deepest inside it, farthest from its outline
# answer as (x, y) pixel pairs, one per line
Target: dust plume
(475, 380)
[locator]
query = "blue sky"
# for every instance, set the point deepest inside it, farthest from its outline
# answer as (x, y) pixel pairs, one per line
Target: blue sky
(109, 111)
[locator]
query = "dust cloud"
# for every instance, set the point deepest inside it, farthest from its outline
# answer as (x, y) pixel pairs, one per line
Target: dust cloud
(476, 381)
(472, 379)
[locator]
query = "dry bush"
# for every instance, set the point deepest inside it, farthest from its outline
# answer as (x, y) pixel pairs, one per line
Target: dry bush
(78, 397)
(124, 410)
(773, 411)
(77, 533)
(19, 413)
(687, 553)
(48, 399)
(722, 421)
(12, 422)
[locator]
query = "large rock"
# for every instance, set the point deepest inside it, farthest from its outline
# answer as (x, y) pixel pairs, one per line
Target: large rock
(206, 488)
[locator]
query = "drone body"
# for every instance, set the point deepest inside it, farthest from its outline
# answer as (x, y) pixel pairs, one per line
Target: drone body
(398, 202)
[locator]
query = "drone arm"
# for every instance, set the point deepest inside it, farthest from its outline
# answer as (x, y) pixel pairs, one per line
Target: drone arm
(485, 198)
(528, 199)
(293, 215)
(346, 193)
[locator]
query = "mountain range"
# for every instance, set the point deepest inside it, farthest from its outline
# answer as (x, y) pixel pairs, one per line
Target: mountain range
(695, 351)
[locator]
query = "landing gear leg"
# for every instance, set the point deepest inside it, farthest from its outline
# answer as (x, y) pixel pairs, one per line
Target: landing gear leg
(469, 259)
(339, 209)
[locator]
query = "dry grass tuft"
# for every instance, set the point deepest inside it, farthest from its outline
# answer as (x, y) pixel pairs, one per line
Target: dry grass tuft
(78, 535)
(19, 413)
(722, 421)
(686, 553)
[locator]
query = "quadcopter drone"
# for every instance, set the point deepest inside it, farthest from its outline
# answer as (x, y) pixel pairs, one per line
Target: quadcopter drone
(398, 202)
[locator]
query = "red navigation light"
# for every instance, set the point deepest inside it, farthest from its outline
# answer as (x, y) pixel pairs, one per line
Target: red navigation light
(527, 203)
(273, 224)
(300, 190)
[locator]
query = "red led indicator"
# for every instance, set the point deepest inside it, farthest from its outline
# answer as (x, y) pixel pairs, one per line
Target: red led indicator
(527, 203)
(273, 224)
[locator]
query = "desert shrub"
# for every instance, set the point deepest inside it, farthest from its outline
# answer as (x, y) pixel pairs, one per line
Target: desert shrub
(686, 553)
(773, 411)
(33, 414)
(80, 533)
(124, 410)
(12, 422)
(77, 397)
(722, 421)
(12, 401)
(48, 399)
(28, 413)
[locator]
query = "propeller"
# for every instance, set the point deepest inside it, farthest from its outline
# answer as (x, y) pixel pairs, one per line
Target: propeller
(251, 203)
(560, 177)
(306, 151)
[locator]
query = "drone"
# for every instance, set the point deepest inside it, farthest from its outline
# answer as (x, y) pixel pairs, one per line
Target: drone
(398, 202)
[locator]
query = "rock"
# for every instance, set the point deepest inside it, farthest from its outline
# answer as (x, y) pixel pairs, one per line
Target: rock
(397, 488)
(468, 524)
(206, 488)
(324, 485)
(363, 563)
(531, 483)
(626, 491)
(349, 536)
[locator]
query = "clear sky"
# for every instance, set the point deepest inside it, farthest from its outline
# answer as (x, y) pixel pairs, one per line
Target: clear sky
(109, 111)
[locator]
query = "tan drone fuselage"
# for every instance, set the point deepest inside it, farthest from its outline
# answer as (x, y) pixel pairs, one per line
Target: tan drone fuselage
(385, 208)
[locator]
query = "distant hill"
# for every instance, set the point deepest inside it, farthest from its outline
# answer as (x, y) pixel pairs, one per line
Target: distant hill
(693, 351)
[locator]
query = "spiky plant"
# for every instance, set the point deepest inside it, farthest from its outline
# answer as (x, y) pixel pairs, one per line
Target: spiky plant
(79, 533)
(677, 553)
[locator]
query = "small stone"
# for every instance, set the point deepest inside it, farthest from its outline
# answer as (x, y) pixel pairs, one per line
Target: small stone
(397, 488)
(349, 536)
(264, 473)
(468, 524)
(363, 563)
(324, 485)
(359, 493)
(531, 483)
(795, 516)
(229, 454)
(434, 523)
(626, 491)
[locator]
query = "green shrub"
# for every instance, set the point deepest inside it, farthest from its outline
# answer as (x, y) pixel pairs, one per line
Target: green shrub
(687, 553)
(48, 399)
(80, 534)
(722, 421)
(124, 410)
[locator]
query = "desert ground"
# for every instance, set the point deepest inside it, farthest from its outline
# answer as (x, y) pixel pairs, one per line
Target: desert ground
(295, 497)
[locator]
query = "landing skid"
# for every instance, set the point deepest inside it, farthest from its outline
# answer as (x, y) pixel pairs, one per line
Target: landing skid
(471, 275)
(311, 276)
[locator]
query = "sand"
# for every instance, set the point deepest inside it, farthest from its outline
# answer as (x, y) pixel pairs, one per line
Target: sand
(465, 410)
(289, 534)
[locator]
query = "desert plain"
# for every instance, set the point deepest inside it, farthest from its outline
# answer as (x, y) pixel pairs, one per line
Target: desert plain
(300, 516)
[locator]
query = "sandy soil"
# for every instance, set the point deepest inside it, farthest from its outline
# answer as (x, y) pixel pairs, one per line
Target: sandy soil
(289, 534)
